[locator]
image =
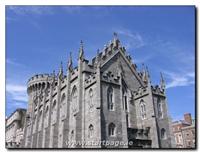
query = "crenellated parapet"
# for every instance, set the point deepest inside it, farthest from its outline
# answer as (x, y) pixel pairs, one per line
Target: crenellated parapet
(109, 50)
(38, 82)
(142, 91)
(157, 90)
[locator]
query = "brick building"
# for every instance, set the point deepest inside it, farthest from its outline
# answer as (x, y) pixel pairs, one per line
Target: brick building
(184, 132)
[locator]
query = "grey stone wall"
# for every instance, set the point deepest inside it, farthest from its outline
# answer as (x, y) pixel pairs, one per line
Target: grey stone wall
(69, 119)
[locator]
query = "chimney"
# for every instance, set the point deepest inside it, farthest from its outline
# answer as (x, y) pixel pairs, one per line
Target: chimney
(188, 118)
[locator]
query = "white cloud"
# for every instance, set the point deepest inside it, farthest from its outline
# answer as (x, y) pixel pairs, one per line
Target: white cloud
(12, 62)
(17, 92)
(38, 10)
(133, 39)
(179, 79)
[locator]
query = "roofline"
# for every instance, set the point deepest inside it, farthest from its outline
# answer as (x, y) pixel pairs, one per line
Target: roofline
(18, 109)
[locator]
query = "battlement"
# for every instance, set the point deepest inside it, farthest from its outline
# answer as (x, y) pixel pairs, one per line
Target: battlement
(38, 76)
(108, 50)
(39, 81)
(142, 91)
(157, 90)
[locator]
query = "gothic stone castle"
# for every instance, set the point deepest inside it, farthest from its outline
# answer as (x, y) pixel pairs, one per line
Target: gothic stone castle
(105, 100)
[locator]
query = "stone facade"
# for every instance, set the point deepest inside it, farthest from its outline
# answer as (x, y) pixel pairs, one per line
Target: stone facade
(14, 128)
(105, 100)
(184, 132)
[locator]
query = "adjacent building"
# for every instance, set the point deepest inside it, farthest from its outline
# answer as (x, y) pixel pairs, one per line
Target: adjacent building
(97, 103)
(184, 132)
(14, 128)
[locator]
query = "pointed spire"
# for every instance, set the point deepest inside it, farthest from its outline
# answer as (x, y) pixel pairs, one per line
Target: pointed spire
(145, 74)
(97, 57)
(98, 51)
(162, 82)
(115, 36)
(147, 71)
(97, 61)
(60, 74)
(54, 75)
(116, 42)
(70, 63)
(81, 51)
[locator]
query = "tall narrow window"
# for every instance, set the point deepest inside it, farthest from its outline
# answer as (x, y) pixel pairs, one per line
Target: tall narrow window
(63, 105)
(160, 110)
(46, 112)
(90, 131)
(54, 106)
(111, 129)
(110, 98)
(90, 98)
(124, 99)
(63, 98)
(72, 135)
(127, 120)
(125, 102)
(143, 109)
(40, 116)
(74, 99)
(163, 133)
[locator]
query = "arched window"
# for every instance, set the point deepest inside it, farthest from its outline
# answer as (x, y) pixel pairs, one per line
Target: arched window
(53, 107)
(54, 104)
(143, 109)
(111, 129)
(40, 115)
(72, 135)
(110, 98)
(125, 101)
(163, 133)
(90, 131)
(46, 111)
(63, 98)
(160, 110)
(90, 98)
(34, 119)
(74, 99)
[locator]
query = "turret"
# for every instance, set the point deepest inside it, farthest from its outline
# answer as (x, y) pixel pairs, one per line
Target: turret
(81, 52)
(162, 82)
(145, 74)
(97, 61)
(116, 42)
(60, 73)
(70, 63)
(54, 75)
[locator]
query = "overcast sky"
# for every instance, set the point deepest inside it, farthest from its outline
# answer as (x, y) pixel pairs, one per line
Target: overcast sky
(163, 38)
